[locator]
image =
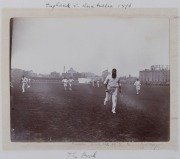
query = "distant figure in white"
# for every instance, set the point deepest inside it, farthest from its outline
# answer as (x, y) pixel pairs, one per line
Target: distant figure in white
(70, 81)
(112, 85)
(65, 82)
(137, 85)
(98, 83)
(24, 82)
(93, 82)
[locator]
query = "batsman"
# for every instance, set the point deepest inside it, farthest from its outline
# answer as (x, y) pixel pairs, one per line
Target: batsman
(112, 87)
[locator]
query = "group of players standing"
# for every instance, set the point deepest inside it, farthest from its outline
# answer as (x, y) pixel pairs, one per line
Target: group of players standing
(95, 83)
(68, 83)
(112, 87)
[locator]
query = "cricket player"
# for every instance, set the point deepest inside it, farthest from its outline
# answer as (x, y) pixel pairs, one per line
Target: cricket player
(24, 82)
(70, 81)
(112, 86)
(98, 83)
(65, 82)
(137, 85)
(93, 82)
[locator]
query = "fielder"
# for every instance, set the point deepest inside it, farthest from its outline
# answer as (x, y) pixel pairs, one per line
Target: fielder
(112, 85)
(24, 82)
(137, 85)
(65, 82)
(98, 83)
(93, 82)
(70, 81)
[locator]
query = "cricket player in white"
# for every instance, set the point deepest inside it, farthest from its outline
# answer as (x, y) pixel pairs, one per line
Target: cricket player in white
(112, 85)
(98, 83)
(65, 82)
(24, 82)
(93, 82)
(70, 81)
(137, 85)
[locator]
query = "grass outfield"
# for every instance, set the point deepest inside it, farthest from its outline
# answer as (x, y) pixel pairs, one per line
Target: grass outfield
(47, 113)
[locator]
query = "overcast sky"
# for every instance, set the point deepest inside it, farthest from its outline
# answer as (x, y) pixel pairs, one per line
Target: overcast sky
(90, 44)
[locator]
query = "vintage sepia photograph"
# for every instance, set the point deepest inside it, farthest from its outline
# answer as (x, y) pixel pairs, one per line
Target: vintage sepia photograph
(87, 79)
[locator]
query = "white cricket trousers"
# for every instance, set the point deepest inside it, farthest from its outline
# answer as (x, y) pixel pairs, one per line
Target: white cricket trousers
(23, 87)
(137, 89)
(70, 86)
(112, 93)
(65, 86)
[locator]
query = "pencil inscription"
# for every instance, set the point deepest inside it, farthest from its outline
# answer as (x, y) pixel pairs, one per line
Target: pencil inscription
(87, 5)
(84, 155)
